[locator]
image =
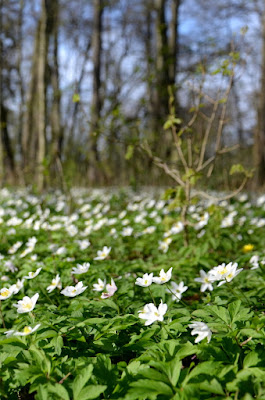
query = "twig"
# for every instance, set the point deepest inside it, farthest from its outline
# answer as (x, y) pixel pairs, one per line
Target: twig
(246, 341)
(64, 378)
(214, 198)
(211, 159)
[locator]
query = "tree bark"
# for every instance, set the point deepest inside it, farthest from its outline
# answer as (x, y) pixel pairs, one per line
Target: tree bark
(41, 90)
(94, 159)
(259, 144)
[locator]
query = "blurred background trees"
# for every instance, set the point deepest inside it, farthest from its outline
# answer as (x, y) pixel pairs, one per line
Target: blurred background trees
(83, 83)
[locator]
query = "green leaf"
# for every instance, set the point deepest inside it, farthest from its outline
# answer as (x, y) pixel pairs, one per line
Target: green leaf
(251, 359)
(129, 152)
(81, 380)
(147, 386)
(59, 390)
(76, 98)
(173, 368)
(91, 392)
(213, 387)
(43, 393)
(237, 168)
(207, 367)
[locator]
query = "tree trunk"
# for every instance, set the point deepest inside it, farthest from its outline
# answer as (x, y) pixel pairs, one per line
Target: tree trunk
(173, 46)
(162, 55)
(259, 145)
(8, 155)
(41, 90)
(94, 159)
(53, 79)
(34, 132)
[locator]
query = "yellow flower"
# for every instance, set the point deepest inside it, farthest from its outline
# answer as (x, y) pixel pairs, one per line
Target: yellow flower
(247, 248)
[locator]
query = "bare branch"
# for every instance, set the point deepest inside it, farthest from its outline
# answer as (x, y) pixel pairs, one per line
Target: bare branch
(173, 173)
(221, 151)
(214, 198)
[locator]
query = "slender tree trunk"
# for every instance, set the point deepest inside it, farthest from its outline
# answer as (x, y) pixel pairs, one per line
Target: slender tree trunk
(94, 174)
(29, 118)
(52, 34)
(6, 143)
(42, 61)
(7, 166)
(77, 90)
(259, 145)
(21, 86)
(34, 131)
(173, 46)
(162, 64)
(1, 96)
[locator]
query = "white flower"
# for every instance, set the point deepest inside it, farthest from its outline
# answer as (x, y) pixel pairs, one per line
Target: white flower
(72, 291)
(206, 280)
(102, 254)
(30, 246)
(9, 266)
(177, 290)
(5, 293)
(71, 230)
(201, 233)
(60, 251)
(151, 313)
(203, 221)
(163, 276)
(9, 333)
(177, 228)
(127, 231)
(81, 269)
(163, 246)
(15, 247)
(225, 273)
(26, 331)
(83, 244)
(17, 286)
(32, 275)
(254, 261)
(145, 281)
(149, 229)
(227, 221)
(27, 304)
(98, 287)
(202, 330)
(111, 289)
(56, 283)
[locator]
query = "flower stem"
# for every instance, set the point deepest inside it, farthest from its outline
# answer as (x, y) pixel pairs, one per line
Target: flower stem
(150, 291)
(177, 298)
(1, 313)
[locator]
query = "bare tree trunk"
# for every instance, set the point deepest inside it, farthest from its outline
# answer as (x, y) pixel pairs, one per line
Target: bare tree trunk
(8, 154)
(21, 86)
(42, 61)
(6, 151)
(162, 74)
(78, 87)
(173, 45)
(259, 146)
(94, 174)
(1, 96)
(52, 35)
(29, 118)
(34, 132)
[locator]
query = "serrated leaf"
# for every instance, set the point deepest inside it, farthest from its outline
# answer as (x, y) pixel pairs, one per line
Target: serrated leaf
(80, 380)
(91, 392)
(59, 390)
(213, 386)
(150, 386)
